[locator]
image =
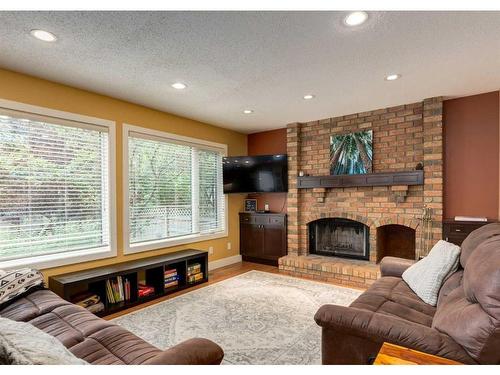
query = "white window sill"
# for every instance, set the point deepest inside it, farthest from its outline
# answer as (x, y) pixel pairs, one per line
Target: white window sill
(60, 259)
(160, 244)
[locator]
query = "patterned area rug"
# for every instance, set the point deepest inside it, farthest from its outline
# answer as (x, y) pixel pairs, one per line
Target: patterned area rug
(256, 317)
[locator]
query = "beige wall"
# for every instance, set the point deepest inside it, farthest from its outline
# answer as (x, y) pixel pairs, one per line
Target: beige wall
(34, 91)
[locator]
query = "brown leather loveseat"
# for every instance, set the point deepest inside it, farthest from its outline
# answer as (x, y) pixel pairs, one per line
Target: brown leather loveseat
(101, 342)
(464, 326)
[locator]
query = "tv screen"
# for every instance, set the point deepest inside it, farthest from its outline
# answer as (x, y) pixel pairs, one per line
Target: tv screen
(255, 174)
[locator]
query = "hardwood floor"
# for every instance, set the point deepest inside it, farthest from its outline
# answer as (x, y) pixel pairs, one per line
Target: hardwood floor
(214, 276)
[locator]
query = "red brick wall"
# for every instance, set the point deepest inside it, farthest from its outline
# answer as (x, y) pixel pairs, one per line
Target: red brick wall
(403, 136)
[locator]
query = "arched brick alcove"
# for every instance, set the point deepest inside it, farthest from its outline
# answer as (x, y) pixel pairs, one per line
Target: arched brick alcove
(396, 240)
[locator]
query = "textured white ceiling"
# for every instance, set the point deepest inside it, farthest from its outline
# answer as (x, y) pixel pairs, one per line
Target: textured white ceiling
(265, 61)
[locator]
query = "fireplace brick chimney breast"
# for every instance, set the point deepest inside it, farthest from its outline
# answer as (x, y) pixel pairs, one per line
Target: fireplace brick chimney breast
(403, 136)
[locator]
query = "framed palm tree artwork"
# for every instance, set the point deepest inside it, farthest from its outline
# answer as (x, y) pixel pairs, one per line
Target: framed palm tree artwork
(351, 153)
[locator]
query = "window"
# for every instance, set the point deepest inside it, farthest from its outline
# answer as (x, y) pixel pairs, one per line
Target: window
(174, 189)
(54, 189)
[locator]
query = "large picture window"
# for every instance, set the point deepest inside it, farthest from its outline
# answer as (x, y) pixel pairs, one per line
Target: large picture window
(54, 188)
(174, 189)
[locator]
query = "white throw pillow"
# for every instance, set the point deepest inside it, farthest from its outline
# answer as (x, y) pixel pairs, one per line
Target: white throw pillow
(24, 344)
(426, 276)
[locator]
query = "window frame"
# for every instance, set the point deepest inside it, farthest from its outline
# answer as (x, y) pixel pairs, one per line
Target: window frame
(75, 256)
(129, 248)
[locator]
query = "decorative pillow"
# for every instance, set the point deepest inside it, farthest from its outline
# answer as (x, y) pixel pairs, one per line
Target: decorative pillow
(17, 282)
(24, 344)
(427, 275)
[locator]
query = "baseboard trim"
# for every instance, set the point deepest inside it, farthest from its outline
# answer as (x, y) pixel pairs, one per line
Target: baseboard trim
(224, 262)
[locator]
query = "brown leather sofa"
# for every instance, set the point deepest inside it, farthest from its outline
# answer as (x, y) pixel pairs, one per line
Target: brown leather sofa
(101, 342)
(464, 326)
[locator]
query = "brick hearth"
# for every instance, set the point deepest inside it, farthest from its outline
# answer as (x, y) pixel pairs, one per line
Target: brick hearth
(357, 273)
(403, 136)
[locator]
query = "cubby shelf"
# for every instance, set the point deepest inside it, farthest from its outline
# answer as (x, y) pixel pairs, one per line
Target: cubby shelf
(150, 269)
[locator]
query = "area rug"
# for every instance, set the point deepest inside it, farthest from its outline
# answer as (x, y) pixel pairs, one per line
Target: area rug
(256, 317)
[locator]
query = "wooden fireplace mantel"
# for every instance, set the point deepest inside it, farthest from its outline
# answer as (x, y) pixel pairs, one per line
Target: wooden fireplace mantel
(369, 179)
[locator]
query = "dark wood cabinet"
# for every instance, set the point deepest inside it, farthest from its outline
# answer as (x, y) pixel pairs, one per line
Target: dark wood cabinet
(456, 231)
(262, 237)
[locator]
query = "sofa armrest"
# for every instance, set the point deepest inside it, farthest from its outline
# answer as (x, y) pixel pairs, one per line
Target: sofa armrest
(379, 328)
(195, 351)
(392, 266)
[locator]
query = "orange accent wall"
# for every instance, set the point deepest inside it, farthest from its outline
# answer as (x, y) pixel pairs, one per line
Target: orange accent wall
(268, 143)
(471, 159)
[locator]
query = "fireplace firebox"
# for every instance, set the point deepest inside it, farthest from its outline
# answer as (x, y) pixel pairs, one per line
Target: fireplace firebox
(340, 238)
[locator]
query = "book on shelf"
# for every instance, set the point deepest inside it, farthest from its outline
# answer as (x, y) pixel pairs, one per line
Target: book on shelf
(145, 290)
(194, 269)
(171, 284)
(98, 307)
(117, 289)
(121, 293)
(88, 300)
(126, 286)
(109, 292)
(85, 299)
(171, 278)
(195, 277)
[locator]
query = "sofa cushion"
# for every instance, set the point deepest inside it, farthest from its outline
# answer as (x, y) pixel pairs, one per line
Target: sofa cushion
(392, 296)
(23, 344)
(471, 314)
(475, 238)
(88, 337)
(450, 284)
(70, 324)
(114, 345)
(32, 305)
(426, 276)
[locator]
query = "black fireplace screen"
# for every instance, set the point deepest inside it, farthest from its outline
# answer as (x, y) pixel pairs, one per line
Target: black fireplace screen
(339, 237)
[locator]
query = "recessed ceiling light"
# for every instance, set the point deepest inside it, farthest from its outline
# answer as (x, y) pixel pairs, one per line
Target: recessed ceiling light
(356, 18)
(247, 111)
(43, 35)
(392, 77)
(308, 96)
(179, 85)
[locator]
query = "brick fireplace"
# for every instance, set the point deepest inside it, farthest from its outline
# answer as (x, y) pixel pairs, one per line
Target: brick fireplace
(339, 237)
(403, 137)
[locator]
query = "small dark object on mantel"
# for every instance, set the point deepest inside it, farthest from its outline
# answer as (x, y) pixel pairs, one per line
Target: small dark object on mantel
(419, 167)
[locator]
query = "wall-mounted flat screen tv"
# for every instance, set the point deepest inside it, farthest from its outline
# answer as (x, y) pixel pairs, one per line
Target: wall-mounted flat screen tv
(255, 174)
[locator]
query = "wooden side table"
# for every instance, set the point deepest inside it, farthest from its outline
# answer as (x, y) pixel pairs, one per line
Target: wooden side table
(391, 354)
(456, 231)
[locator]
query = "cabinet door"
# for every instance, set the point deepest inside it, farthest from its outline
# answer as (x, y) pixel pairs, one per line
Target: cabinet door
(251, 239)
(275, 241)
